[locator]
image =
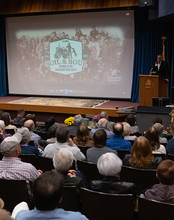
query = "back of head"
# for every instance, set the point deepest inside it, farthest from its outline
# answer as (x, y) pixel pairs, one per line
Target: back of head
(62, 134)
(2, 124)
(159, 127)
(77, 119)
(20, 112)
(126, 128)
(82, 134)
(165, 172)
(118, 128)
(102, 123)
(157, 120)
(104, 114)
(141, 153)
(130, 119)
(52, 130)
(31, 117)
(109, 164)
(24, 131)
(100, 138)
(47, 190)
(49, 122)
(6, 118)
(29, 124)
(63, 160)
(152, 135)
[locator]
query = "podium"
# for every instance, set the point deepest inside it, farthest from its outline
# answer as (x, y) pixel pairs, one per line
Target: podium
(151, 86)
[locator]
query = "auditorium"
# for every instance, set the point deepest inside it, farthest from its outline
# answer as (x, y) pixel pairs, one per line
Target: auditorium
(86, 109)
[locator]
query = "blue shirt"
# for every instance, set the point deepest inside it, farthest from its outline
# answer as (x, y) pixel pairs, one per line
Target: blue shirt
(58, 214)
(28, 149)
(118, 142)
(109, 133)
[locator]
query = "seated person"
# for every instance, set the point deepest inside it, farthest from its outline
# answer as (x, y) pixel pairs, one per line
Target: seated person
(48, 123)
(25, 148)
(102, 124)
(109, 165)
(52, 132)
(94, 153)
(141, 155)
(4, 134)
(7, 118)
(159, 120)
(63, 161)
(47, 194)
(126, 132)
(83, 137)
(131, 119)
(77, 122)
(20, 117)
(117, 141)
(152, 134)
(110, 124)
(31, 126)
(164, 191)
(31, 117)
(160, 128)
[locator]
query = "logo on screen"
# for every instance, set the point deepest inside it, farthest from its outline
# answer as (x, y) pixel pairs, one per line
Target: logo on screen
(66, 57)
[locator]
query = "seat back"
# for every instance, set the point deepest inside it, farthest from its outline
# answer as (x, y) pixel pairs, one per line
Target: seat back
(83, 149)
(31, 143)
(151, 209)
(13, 192)
(170, 157)
(69, 199)
(142, 178)
(122, 153)
(160, 155)
(29, 158)
(44, 135)
(97, 205)
(89, 170)
(45, 164)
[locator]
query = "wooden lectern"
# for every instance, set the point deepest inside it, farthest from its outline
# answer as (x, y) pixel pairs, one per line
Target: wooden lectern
(151, 86)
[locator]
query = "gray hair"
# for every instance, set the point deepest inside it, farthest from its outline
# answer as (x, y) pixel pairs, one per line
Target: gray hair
(2, 124)
(62, 160)
(126, 128)
(102, 125)
(109, 164)
(159, 127)
(77, 119)
(24, 131)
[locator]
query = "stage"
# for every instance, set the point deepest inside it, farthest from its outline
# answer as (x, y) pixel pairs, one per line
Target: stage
(45, 110)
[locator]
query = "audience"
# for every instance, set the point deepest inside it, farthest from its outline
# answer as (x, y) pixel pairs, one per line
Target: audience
(7, 118)
(52, 132)
(48, 123)
(77, 122)
(117, 141)
(20, 117)
(83, 137)
(141, 155)
(94, 153)
(47, 194)
(31, 126)
(25, 148)
(11, 167)
(159, 120)
(126, 132)
(153, 136)
(164, 191)
(63, 141)
(109, 165)
(131, 119)
(110, 124)
(102, 124)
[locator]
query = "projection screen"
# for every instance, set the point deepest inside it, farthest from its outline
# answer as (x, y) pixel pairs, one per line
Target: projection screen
(74, 54)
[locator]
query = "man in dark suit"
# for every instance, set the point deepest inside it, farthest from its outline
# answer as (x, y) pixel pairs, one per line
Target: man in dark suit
(161, 68)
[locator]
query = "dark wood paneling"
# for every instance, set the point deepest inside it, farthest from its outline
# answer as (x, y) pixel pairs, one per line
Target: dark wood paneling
(35, 6)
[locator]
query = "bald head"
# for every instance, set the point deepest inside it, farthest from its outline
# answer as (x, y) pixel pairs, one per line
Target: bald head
(118, 129)
(102, 123)
(30, 125)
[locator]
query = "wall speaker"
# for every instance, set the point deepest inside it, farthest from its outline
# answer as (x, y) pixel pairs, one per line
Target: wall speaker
(162, 102)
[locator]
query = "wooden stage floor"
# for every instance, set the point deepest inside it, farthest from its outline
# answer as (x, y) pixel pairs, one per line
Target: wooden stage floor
(109, 106)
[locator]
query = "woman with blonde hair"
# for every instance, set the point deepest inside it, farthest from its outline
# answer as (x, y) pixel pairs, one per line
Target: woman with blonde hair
(141, 155)
(83, 137)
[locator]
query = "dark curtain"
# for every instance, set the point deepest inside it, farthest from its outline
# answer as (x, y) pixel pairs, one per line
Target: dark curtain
(148, 45)
(3, 89)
